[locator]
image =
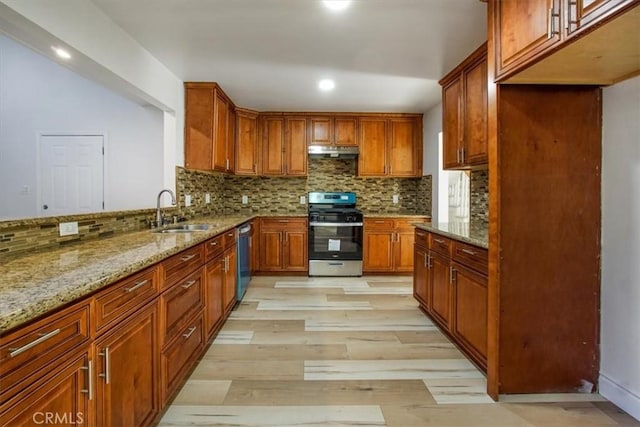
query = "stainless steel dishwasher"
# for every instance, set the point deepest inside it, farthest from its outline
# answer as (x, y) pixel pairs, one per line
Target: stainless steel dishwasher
(244, 269)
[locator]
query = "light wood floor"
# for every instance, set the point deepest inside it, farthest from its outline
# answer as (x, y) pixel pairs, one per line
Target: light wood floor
(353, 352)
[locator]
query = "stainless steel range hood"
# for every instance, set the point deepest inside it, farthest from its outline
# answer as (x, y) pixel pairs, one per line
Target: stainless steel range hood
(333, 151)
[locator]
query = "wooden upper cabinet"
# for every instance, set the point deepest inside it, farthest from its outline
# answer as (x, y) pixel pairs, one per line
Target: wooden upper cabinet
(198, 129)
(273, 148)
(535, 40)
(464, 115)
(321, 129)
(333, 131)
(209, 141)
(221, 112)
(247, 147)
(231, 140)
(451, 118)
(405, 150)
(296, 147)
(526, 28)
(372, 160)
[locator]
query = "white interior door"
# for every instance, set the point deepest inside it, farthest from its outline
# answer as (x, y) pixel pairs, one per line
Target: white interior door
(71, 174)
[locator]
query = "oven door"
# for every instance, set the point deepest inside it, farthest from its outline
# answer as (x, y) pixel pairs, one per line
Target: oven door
(335, 241)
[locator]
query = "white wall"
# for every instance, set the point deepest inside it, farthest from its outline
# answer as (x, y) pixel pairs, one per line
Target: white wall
(432, 125)
(109, 55)
(620, 300)
(38, 95)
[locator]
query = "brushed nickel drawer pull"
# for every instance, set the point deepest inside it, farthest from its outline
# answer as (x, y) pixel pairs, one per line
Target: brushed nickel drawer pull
(452, 272)
(136, 286)
(188, 257)
(89, 389)
(107, 365)
(439, 241)
(43, 338)
(189, 284)
(191, 331)
(469, 251)
(283, 220)
(214, 243)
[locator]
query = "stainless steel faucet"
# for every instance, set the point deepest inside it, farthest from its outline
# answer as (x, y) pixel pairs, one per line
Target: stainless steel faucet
(159, 220)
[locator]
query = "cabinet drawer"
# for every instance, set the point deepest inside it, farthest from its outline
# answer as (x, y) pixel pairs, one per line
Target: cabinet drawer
(179, 265)
(214, 247)
(229, 237)
(124, 297)
(440, 244)
(422, 238)
(35, 349)
(283, 223)
(180, 303)
(405, 224)
(471, 256)
(177, 357)
(378, 224)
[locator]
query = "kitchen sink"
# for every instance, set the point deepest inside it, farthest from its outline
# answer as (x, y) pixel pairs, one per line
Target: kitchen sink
(185, 228)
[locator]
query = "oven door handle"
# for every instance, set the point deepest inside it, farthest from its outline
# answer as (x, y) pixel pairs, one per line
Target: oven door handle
(335, 224)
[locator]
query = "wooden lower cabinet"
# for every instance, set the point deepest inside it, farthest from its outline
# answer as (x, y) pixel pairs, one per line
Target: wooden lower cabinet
(61, 397)
(441, 289)
(230, 279)
(214, 279)
(450, 284)
(470, 301)
(283, 245)
(388, 245)
(126, 372)
(177, 357)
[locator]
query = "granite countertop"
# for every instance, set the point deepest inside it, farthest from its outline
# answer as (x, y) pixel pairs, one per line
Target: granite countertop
(472, 234)
(35, 284)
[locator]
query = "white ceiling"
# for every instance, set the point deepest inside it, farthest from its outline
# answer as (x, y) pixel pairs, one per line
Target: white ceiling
(385, 55)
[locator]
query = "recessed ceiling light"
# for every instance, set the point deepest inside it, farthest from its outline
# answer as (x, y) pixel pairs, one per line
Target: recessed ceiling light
(326, 84)
(61, 52)
(337, 5)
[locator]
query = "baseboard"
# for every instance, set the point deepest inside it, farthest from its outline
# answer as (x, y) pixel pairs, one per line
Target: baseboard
(620, 396)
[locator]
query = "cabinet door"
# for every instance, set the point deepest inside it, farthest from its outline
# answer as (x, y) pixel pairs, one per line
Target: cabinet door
(372, 160)
(127, 372)
(420, 276)
(451, 123)
(247, 145)
(321, 131)
(585, 13)
(221, 113)
(198, 128)
(295, 250)
(296, 151)
(231, 140)
(475, 114)
(273, 149)
(254, 244)
(229, 287)
(63, 392)
(345, 131)
(403, 250)
(270, 250)
(524, 29)
(470, 302)
(378, 250)
(214, 280)
(403, 158)
(441, 289)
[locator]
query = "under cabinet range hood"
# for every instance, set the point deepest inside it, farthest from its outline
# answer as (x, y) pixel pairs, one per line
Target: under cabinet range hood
(333, 151)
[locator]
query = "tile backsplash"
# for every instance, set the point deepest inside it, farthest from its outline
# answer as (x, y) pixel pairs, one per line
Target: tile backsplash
(479, 203)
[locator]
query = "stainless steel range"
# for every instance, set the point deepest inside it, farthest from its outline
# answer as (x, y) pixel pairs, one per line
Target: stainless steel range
(335, 234)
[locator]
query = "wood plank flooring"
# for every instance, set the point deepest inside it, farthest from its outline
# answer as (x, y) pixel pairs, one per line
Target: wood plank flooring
(352, 352)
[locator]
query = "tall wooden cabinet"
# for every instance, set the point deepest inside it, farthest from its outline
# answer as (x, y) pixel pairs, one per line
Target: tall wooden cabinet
(464, 103)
